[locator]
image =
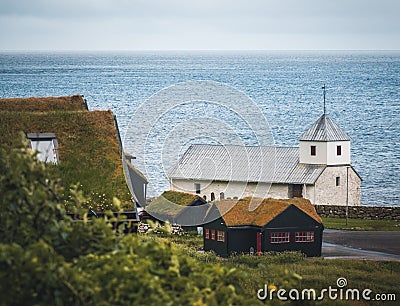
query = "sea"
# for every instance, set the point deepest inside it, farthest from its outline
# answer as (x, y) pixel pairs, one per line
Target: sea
(266, 93)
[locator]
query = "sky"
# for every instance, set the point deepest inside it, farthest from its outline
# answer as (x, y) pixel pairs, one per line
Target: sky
(199, 25)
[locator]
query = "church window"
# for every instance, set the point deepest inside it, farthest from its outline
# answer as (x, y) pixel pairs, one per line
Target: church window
(197, 188)
(313, 150)
(338, 150)
(212, 196)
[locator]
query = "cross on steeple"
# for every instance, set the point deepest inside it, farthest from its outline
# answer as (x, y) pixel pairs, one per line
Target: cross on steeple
(324, 88)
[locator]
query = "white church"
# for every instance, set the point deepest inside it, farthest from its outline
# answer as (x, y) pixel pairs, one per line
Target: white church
(319, 169)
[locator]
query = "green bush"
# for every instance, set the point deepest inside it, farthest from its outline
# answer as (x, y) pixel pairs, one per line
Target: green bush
(46, 258)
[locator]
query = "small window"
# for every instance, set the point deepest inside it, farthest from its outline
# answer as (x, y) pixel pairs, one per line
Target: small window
(47, 146)
(221, 236)
(313, 150)
(205, 197)
(207, 233)
(221, 196)
(338, 150)
(280, 237)
(338, 181)
(197, 188)
(212, 196)
(212, 234)
(304, 236)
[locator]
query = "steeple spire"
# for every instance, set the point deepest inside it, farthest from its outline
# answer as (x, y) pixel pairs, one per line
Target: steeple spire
(324, 88)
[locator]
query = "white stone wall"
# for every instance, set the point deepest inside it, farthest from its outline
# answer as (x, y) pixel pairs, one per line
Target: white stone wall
(231, 189)
(327, 193)
(309, 193)
(324, 192)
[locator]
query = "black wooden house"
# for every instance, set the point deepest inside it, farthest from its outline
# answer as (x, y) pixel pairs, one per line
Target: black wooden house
(256, 226)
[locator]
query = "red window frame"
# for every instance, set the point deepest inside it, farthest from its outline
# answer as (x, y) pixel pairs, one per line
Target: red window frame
(221, 236)
(213, 234)
(304, 236)
(279, 237)
(207, 233)
(338, 150)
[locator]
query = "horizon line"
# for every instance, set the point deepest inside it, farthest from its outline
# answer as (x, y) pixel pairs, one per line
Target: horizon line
(200, 50)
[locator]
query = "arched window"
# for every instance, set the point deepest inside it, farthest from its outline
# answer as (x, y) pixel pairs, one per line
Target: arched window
(212, 196)
(205, 197)
(222, 196)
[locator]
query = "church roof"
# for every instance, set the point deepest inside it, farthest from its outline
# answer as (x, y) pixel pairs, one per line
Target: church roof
(245, 164)
(324, 129)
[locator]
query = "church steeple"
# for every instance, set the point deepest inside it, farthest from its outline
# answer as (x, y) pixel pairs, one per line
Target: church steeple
(325, 143)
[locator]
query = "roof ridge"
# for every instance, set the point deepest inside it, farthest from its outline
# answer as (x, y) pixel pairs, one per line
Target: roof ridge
(267, 210)
(253, 146)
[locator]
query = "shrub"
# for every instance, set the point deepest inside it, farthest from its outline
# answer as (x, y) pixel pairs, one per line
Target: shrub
(46, 258)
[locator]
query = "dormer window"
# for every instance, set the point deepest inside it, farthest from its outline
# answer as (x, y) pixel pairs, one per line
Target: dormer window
(313, 150)
(47, 146)
(338, 150)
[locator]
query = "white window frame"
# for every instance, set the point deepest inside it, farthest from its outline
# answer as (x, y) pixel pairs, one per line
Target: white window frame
(306, 236)
(279, 237)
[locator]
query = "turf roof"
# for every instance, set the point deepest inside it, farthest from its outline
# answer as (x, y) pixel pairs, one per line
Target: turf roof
(88, 147)
(45, 104)
(171, 203)
(260, 211)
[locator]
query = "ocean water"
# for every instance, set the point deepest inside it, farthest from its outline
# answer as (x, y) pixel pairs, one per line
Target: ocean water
(363, 97)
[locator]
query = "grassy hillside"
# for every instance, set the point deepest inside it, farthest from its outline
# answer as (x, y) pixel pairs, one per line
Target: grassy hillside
(88, 149)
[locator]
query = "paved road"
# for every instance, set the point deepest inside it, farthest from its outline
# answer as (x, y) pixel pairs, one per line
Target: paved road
(361, 245)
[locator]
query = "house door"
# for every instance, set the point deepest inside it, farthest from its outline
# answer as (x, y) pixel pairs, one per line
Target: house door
(297, 191)
(259, 242)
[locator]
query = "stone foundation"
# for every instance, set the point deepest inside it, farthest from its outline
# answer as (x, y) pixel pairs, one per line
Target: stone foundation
(359, 212)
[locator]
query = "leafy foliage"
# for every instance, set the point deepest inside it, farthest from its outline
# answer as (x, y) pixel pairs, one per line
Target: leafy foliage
(46, 258)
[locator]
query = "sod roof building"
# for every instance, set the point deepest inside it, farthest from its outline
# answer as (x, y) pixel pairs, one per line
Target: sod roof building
(253, 226)
(187, 210)
(81, 146)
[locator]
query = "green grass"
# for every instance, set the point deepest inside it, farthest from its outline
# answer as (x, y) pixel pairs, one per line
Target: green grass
(316, 273)
(361, 224)
(170, 203)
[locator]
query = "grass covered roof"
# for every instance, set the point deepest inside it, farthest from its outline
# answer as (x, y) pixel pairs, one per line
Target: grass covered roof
(45, 104)
(259, 212)
(170, 203)
(89, 150)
